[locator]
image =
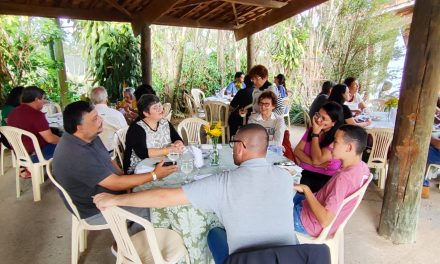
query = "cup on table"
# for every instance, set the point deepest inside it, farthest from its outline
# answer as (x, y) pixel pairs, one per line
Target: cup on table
(187, 166)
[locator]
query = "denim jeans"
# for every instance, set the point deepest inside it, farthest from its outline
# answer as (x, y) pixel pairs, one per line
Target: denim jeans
(297, 208)
(218, 244)
(47, 151)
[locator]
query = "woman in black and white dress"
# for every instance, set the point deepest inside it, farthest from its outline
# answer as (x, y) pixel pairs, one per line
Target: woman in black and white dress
(150, 135)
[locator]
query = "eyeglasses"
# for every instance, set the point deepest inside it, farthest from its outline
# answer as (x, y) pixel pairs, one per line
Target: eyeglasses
(265, 104)
(318, 115)
(233, 141)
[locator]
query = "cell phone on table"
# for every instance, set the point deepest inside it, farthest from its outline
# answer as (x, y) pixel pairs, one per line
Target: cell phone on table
(166, 163)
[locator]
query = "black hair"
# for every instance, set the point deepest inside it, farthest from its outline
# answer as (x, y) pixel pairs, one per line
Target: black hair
(73, 115)
(14, 96)
(145, 102)
(254, 128)
(31, 93)
(349, 80)
(238, 74)
(143, 89)
(334, 111)
(337, 93)
(248, 82)
(281, 79)
(357, 134)
(326, 87)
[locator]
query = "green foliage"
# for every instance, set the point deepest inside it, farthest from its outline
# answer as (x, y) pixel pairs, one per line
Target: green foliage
(114, 55)
(25, 54)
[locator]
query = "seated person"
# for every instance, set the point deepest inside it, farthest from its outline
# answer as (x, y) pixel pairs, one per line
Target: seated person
(280, 82)
(355, 101)
(434, 150)
(273, 123)
(259, 77)
(12, 101)
(151, 135)
(28, 116)
(319, 209)
(81, 164)
(235, 85)
(313, 152)
(259, 216)
(242, 99)
(340, 94)
(322, 97)
(128, 106)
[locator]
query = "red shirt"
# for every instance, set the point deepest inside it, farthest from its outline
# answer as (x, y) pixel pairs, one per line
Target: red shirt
(29, 119)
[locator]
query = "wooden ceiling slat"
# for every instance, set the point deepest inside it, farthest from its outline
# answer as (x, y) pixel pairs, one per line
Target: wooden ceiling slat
(171, 21)
(260, 3)
(292, 8)
(153, 11)
(118, 7)
(222, 5)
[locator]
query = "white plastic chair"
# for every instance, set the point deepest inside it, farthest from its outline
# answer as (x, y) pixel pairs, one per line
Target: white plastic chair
(153, 245)
(198, 97)
(192, 127)
(107, 135)
(167, 111)
(382, 138)
(79, 226)
(23, 158)
(2, 151)
(307, 120)
(51, 108)
(428, 174)
(335, 241)
(218, 112)
(119, 143)
(376, 105)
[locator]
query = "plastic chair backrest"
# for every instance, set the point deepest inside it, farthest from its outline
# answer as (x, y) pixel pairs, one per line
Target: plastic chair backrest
(376, 105)
(107, 135)
(167, 111)
(217, 111)
(117, 219)
(189, 104)
(382, 138)
(358, 195)
(198, 97)
(51, 108)
(192, 127)
(307, 120)
(66, 195)
(15, 138)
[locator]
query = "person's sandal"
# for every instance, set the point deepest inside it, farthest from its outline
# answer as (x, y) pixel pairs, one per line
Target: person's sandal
(24, 173)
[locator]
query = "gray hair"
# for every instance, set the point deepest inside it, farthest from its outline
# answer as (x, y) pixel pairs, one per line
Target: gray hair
(129, 91)
(98, 95)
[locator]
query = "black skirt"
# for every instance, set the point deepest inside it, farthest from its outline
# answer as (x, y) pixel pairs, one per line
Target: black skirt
(314, 180)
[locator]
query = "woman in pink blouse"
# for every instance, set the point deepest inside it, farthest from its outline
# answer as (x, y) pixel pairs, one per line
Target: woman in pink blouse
(313, 152)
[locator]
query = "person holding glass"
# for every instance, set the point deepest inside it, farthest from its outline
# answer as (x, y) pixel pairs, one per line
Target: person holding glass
(273, 123)
(150, 135)
(314, 152)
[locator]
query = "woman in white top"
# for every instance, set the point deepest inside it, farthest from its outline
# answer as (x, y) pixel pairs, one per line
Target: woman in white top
(273, 123)
(355, 102)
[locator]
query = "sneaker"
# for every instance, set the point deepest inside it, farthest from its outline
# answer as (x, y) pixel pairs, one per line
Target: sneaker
(24, 173)
(114, 249)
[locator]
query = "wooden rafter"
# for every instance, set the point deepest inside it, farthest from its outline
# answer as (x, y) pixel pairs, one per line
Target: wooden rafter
(46, 11)
(235, 15)
(193, 3)
(212, 11)
(154, 11)
(260, 3)
(292, 8)
(184, 22)
(119, 7)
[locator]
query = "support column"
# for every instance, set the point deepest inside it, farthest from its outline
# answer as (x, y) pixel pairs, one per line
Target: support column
(62, 77)
(146, 54)
(418, 97)
(250, 52)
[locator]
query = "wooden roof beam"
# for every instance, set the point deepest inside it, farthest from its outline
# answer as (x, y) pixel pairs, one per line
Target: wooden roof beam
(153, 11)
(45, 11)
(118, 7)
(184, 22)
(260, 3)
(293, 8)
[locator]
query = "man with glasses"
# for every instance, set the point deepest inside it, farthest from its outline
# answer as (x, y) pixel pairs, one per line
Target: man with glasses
(251, 201)
(28, 116)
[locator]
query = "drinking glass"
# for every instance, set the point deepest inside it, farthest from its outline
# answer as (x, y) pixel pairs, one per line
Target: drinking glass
(217, 93)
(187, 167)
(173, 155)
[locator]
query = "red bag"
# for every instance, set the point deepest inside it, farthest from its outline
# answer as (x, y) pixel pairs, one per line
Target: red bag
(288, 152)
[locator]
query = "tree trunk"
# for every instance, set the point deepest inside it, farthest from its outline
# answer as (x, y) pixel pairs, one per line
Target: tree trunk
(413, 128)
(250, 52)
(62, 78)
(146, 54)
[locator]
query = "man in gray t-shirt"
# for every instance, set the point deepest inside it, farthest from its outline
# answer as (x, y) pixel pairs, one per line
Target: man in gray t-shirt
(254, 201)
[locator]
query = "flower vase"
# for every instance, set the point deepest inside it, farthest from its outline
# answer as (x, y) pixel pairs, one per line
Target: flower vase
(215, 156)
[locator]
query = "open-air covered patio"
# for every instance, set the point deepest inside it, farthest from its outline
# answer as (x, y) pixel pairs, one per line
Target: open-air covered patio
(392, 224)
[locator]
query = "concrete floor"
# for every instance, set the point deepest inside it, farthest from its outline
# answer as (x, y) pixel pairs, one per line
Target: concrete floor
(40, 232)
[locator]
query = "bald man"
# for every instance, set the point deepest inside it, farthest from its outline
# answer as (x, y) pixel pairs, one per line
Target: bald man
(251, 201)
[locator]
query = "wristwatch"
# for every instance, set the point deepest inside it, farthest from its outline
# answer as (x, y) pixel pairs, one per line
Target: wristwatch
(315, 135)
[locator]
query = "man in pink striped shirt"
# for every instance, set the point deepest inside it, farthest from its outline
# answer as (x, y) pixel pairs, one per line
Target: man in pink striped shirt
(315, 211)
